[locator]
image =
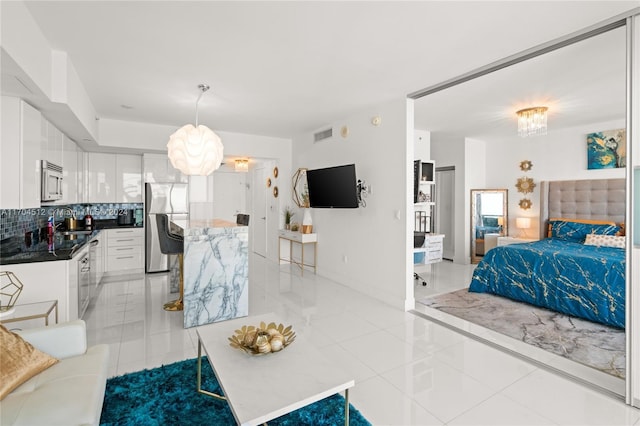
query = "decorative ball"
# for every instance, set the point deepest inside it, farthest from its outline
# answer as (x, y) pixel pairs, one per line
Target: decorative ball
(276, 345)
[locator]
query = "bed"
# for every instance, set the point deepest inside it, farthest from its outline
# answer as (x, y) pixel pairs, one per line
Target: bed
(570, 270)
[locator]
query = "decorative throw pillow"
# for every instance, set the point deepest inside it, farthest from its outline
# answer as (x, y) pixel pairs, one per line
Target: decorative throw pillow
(19, 361)
(605, 240)
(578, 231)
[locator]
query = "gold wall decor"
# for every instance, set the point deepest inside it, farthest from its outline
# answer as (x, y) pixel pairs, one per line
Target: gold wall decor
(300, 190)
(275, 172)
(268, 182)
(526, 165)
(275, 191)
(525, 204)
(525, 185)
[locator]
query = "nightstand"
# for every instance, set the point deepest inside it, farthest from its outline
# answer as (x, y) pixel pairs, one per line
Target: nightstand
(504, 241)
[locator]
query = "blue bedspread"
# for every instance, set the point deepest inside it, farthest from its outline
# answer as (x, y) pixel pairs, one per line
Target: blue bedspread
(572, 278)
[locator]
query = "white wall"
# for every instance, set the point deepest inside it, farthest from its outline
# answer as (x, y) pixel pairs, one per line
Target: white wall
(560, 155)
(373, 240)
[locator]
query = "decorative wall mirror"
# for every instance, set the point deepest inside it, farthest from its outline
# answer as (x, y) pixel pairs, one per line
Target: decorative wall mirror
(489, 220)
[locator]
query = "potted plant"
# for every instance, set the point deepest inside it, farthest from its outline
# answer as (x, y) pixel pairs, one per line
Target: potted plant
(288, 214)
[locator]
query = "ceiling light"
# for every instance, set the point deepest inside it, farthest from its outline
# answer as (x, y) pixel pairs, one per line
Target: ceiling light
(532, 121)
(242, 165)
(195, 150)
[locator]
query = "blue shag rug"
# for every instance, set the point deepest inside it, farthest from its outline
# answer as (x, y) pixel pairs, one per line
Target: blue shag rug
(167, 396)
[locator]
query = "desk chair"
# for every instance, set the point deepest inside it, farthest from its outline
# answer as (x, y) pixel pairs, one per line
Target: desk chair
(171, 243)
(242, 219)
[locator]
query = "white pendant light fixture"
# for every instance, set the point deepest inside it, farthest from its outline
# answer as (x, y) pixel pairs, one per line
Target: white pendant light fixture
(532, 121)
(195, 150)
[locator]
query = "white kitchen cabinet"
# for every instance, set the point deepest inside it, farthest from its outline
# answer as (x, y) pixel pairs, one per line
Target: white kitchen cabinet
(54, 145)
(51, 143)
(81, 190)
(101, 179)
(128, 178)
(158, 168)
(71, 178)
(19, 155)
(57, 280)
(113, 178)
(125, 250)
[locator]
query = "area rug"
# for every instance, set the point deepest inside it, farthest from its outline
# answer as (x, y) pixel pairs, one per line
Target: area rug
(596, 345)
(167, 395)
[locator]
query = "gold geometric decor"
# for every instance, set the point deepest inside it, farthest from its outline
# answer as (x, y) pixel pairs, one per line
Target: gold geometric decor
(525, 204)
(526, 165)
(300, 189)
(525, 185)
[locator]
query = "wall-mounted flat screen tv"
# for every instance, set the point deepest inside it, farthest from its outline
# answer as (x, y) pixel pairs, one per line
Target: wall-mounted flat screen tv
(333, 187)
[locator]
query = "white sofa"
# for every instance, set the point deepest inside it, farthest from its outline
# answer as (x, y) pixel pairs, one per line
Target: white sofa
(70, 392)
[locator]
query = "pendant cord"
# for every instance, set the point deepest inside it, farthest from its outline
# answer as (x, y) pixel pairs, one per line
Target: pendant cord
(203, 88)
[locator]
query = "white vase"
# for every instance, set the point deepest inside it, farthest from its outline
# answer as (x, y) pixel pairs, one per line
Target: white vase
(307, 222)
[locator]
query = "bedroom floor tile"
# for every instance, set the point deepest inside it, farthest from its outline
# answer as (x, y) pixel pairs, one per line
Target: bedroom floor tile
(408, 370)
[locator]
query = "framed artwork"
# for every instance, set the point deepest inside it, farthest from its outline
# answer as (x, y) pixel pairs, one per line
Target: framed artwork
(607, 149)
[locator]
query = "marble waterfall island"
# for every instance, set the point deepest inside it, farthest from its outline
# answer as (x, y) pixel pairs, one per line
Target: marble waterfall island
(216, 271)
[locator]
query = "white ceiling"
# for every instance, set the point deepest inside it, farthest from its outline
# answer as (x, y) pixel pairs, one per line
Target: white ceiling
(282, 68)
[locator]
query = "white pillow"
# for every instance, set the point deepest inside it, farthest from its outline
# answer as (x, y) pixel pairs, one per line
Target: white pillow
(605, 240)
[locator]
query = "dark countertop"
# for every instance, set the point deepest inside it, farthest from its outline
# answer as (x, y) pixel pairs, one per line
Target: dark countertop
(15, 250)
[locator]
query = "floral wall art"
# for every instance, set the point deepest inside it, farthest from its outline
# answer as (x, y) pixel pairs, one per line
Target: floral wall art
(607, 149)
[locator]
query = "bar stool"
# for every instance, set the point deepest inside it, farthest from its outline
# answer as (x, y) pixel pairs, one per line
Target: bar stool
(171, 243)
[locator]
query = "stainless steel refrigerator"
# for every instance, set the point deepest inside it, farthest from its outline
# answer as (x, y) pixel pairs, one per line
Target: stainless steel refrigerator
(168, 198)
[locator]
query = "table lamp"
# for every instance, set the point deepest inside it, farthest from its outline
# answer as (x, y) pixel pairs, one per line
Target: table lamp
(523, 223)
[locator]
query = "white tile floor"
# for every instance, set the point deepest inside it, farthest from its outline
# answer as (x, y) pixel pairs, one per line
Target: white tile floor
(408, 370)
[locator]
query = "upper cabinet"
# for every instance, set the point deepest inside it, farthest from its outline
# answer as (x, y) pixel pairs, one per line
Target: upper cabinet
(72, 175)
(101, 173)
(128, 178)
(19, 155)
(114, 178)
(51, 143)
(158, 168)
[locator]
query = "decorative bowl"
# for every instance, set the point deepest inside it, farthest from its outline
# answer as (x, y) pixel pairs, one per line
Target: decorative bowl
(263, 339)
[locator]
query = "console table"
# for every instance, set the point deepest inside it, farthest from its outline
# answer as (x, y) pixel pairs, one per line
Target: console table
(301, 239)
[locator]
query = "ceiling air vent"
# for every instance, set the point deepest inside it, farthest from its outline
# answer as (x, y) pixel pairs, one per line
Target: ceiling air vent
(322, 135)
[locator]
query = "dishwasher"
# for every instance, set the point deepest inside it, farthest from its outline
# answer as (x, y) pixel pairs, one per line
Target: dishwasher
(84, 283)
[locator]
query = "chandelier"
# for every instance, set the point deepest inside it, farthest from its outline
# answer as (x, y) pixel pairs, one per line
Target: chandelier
(532, 121)
(195, 150)
(242, 165)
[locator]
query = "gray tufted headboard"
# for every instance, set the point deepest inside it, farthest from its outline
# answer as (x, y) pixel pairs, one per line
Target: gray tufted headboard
(599, 199)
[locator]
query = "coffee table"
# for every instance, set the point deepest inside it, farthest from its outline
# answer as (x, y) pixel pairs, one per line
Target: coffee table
(263, 387)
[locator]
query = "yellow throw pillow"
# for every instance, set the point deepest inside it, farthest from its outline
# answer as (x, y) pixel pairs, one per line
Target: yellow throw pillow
(19, 361)
(605, 240)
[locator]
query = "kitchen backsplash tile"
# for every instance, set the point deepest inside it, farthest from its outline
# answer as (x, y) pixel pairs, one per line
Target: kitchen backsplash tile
(16, 222)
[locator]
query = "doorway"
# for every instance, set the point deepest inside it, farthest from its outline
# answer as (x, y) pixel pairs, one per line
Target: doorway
(259, 213)
(445, 209)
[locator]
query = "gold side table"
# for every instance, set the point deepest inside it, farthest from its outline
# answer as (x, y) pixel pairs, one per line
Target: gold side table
(29, 311)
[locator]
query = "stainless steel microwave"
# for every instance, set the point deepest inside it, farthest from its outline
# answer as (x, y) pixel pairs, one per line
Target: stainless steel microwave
(51, 181)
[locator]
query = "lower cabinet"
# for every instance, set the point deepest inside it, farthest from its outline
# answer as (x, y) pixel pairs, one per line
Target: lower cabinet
(57, 280)
(125, 250)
